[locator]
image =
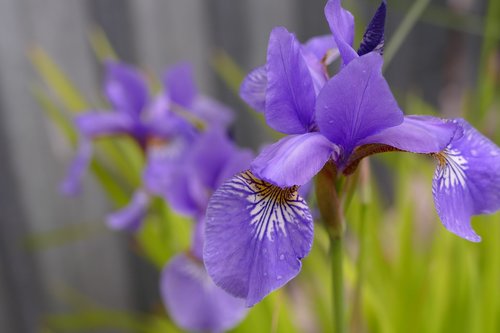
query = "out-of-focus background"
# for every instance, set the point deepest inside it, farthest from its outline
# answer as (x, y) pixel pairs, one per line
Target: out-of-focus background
(42, 270)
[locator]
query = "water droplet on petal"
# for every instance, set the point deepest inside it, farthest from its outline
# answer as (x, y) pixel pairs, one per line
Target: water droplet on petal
(279, 277)
(282, 257)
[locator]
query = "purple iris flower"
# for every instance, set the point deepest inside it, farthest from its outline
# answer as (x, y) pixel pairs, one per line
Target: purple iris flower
(190, 296)
(163, 127)
(258, 228)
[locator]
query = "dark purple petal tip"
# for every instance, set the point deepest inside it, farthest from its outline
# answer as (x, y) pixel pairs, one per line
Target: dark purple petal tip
(256, 233)
(373, 39)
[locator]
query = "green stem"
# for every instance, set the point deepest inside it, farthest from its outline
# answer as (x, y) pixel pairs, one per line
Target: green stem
(338, 284)
(356, 320)
(330, 207)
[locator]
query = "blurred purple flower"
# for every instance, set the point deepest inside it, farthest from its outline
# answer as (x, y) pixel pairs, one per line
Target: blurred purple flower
(163, 126)
(258, 227)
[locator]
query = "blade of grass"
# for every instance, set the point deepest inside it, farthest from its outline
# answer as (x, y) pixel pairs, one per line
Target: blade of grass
(57, 81)
(404, 30)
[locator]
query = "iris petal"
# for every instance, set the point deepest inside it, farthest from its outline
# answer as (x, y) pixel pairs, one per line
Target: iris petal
(179, 84)
(72, 184)
(467, 181)
(256, 234)
(125, 88)
(341, 24)
(417, 134)
(293, 160)
(356, 103)
(253, 88)
(211, 111)
(373, 39)
(194, 302)
(290, 95)
(95, 124)
(130, 217)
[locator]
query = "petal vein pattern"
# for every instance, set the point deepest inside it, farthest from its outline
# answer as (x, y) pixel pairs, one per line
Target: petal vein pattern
(452, 169)
(467, 180)
(256, 234)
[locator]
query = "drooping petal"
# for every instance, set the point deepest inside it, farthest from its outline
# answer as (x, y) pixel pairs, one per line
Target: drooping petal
(341, 24)
(373, 39)
(417, 134)
(194, 302)
(293, 160)
(467, 181)
(256, 234)
(212, 112)
(179, 84)
(356, 103)
(290, 95)
(125, 88)
(130, 217)
(95, 124)
(253, 88)
(72, 184)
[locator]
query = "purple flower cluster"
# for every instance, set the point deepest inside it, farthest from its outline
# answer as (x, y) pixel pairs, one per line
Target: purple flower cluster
(188, 155)
(258, 228)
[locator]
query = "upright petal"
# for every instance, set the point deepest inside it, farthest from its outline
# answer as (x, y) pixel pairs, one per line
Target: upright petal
(72, 184)
(341, 24)
(125, 88)
(256, 234)
(95, 124)
(293, 160)
(179, 84)
(467, 181)
(373, 39)
(356, 103)
(194, 302)
(130, 217)
(253, 88)
(318, 53)
(290, 95)
(417, 134)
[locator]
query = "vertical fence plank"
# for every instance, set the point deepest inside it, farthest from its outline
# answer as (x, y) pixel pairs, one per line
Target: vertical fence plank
(170, 31)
